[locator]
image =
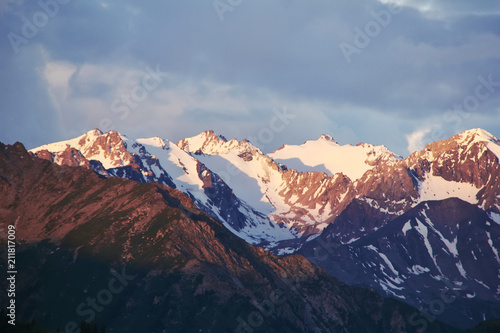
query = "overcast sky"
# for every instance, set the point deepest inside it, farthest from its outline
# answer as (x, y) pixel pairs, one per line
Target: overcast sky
(399, 73)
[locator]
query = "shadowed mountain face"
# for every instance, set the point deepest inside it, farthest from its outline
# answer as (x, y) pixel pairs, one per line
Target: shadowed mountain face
(143, 258)
(438, 250)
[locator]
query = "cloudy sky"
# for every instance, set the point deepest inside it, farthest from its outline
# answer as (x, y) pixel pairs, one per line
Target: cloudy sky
(396, 72)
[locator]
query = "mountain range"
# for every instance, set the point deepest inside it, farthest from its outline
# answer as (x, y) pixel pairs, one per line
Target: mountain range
(413, 229)
(141, 257)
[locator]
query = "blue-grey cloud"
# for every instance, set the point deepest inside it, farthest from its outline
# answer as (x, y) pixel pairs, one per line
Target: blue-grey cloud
(230, 74)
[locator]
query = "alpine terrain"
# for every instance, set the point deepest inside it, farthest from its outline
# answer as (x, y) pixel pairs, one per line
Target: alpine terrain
(141, 257)
(423, 230)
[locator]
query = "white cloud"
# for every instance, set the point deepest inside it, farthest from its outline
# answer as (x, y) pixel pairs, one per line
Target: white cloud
(57, 76)
(416, 140)
(441, 8)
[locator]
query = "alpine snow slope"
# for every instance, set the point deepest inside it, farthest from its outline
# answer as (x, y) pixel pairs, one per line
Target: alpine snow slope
(154, 159)
(296, 191)
(257, 198)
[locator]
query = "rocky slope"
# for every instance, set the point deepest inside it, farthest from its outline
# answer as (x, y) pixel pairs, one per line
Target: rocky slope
(143, 258)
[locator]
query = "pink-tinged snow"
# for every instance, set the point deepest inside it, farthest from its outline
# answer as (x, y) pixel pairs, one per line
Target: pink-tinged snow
(479, 135)
(495, 149)
(326, 155)
(59, 147)
(437, 188)
(255, 182)
(258, 182)
(88, 140)
(204, 139)
(212, 144)
(183, 168)
(154, 142)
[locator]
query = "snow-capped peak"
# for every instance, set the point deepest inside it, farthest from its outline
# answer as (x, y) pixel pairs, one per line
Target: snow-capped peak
(464, 143)
(326, 155)
(212, 144)
(154, 142)
(78, 142)
(476, 135)
(108, 148)
(95, 132)
(203, 142)
(326, 137)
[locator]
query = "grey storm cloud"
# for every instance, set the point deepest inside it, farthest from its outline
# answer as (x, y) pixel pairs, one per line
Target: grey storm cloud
(230, 63)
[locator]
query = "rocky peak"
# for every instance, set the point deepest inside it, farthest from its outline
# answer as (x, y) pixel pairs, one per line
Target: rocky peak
(110, 141)
(379, 154)
(323, 139)
(203, 142)
(283, 146)
(109, 148)
(326, 137)
(475, 135)
(469, 145)
(471, 157)
(212, 144)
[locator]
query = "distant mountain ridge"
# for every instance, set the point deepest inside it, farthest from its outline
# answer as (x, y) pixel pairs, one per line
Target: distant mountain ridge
(266, 201)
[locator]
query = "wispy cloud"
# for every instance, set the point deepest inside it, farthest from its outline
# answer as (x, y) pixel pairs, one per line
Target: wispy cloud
(445, 8)
(417, 139)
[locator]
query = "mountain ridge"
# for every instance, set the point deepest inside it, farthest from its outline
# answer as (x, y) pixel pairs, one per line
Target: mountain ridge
(184, 270)
(293, 203)
(269, 204)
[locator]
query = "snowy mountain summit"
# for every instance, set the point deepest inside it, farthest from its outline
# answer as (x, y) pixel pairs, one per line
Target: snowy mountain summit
(326, 155)
(297, 190)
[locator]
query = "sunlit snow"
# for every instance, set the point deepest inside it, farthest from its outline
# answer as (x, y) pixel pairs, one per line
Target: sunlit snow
(437, 188)
(326, 155)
